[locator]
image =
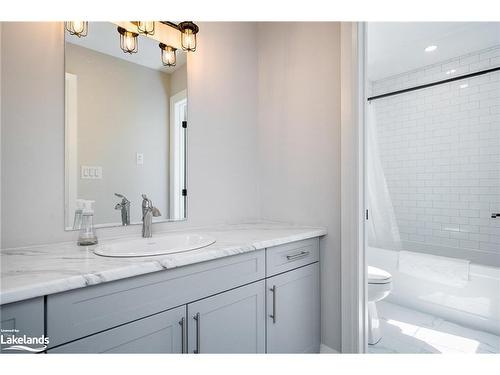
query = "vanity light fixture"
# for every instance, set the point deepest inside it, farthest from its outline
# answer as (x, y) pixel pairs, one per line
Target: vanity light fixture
(145, 27)
(168, 55)
(77, 28)
(188, 35)
(128, 40)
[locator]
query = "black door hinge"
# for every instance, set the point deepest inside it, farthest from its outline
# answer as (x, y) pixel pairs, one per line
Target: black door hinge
(184, 124)
(184, 192)
(366, 214)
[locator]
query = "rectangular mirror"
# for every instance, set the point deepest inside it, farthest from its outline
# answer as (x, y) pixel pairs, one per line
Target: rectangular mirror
(125, 128)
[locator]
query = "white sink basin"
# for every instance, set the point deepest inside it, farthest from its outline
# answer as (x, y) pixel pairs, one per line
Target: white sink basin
(161, 245)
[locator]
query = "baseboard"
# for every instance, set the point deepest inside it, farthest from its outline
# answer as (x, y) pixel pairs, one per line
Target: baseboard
(323, 349)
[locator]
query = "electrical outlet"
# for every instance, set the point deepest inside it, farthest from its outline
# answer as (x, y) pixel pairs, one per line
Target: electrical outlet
(139, 158)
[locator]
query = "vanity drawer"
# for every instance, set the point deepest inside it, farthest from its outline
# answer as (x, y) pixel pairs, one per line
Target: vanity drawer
(292, 255)
(81, 312)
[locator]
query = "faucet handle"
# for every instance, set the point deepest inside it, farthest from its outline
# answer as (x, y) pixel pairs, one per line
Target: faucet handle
(147, 205)
(146, 202)
(123, 197)
(156, 212)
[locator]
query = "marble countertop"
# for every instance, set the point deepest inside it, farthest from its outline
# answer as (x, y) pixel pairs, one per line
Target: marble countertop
(30, 272)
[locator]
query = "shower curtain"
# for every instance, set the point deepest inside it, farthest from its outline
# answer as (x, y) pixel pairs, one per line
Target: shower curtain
(383, 230)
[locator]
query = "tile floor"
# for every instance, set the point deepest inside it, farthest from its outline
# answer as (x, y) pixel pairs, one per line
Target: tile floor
(409, 331)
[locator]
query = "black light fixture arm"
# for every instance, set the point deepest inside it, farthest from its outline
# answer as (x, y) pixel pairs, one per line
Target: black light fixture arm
(182, 26)
(171, 24)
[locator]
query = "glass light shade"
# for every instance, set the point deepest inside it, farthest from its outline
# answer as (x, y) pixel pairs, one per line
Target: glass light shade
(168, 55)
(128, 40)
(78, 28)
(146, 27)
(188, 36)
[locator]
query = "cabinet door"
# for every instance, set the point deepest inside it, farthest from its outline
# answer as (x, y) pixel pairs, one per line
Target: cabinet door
(230, 322)
(22, 318)
(159, 333)
(293, 311)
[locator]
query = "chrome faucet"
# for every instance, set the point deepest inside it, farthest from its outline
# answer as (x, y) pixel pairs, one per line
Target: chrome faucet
(148, 212)
(124, 206)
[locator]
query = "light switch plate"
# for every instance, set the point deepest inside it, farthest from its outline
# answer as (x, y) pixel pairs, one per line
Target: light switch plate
(90, 172)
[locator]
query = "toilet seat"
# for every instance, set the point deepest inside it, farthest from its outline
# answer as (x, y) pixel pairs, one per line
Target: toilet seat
(378, 276)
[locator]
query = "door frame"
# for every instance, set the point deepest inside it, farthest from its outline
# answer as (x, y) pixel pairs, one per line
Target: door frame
(177, 139)
(71, 174)
(353, 188)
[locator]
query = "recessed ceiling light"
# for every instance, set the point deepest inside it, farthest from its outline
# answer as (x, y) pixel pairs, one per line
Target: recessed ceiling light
(464, 86)
(430, 48)
(451, 71)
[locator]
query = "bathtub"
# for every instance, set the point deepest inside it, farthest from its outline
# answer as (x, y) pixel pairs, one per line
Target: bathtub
(476, 303)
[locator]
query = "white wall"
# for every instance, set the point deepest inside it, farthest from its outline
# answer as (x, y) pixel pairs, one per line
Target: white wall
(440, 150)
(299, 148)
(222, 136)
(0, 132)
(32, 133)
(178, 80)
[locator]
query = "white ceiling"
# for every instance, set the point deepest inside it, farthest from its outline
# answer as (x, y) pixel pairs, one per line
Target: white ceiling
(103, 37)
(397, 47)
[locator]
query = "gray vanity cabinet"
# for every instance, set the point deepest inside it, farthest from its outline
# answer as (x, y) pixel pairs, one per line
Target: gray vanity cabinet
(22, 318)
(293, 311)
(160, 333)
(256, 302)
(25, 316)
(230, 322)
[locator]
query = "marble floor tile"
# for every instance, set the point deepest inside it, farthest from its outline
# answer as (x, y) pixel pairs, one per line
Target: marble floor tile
(389, 311)
(408, 331)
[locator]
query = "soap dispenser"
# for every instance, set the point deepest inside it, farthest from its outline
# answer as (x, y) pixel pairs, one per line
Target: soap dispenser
(87, 235)
(77, 222)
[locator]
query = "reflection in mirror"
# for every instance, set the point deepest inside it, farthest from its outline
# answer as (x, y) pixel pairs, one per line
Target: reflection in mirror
(124, 134)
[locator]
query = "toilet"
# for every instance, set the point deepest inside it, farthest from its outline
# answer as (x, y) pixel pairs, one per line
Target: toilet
(379, 287)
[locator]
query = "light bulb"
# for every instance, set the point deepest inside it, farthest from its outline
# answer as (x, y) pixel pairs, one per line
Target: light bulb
(168, 55)
(128, 40)
(188, 35)
(77, 28)
(146, 27)
(189, 40)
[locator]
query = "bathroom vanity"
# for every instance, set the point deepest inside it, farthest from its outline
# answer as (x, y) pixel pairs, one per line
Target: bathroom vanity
(256, 290)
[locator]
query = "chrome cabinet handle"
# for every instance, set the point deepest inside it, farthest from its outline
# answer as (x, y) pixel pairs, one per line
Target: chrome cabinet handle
(181, 323)
(273, 315)
(197, 318)
(302, 254)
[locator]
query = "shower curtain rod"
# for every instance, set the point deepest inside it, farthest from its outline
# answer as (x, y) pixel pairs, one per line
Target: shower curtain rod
(475, 74)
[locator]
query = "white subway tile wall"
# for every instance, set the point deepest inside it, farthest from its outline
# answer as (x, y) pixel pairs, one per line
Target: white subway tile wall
(440, 150)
